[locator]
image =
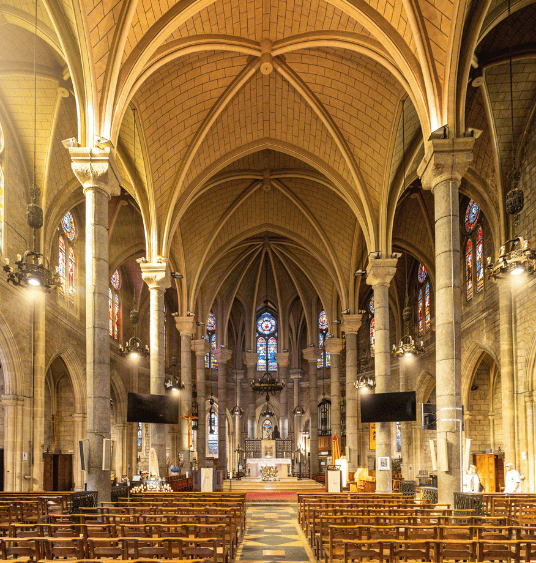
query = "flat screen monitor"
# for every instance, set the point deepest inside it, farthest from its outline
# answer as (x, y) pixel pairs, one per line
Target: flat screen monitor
(389, 407)
(157, 409)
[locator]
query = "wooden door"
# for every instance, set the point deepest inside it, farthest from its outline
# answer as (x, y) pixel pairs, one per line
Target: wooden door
(486, 470)
(48, 472)
(64, 470)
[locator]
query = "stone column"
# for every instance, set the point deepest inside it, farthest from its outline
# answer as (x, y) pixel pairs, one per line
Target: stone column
(405, 429)
(350, 325)
(529, 410)
(295, 376)
(250, 360)
(134, 425)
(9, 403)
(334, 348)
(441, 170)
(186, 327)
(97, 172)
(311, 355)
(39, 373)
(380, 272)
(222, 356)
(238, 441)
(156, 276)
(201, 348)
(507, 371)
(122, 432)
(283, 360)
(79, 434)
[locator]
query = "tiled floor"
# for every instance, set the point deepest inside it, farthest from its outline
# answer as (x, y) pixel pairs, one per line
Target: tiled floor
(273, 535)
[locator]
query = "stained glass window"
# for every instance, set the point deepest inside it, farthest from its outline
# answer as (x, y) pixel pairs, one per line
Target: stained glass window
(116, 316)
(116, 280)
(261, 350)
(479, 261)
(421, 320)
(110, 312)
(211, 337)
(427, 316)
(371, 305)
(140, 436)
(398, 437)
(469, 270)
(266, 342)
(267, 429)
(72, 264)
(68, 226)
(213, 437)
(323, 332)
(422, 273)
(471, 216)
(372, 338)
(266, 324)
(61, 265)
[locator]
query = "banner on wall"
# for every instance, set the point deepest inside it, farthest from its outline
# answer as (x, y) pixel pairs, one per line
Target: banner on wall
(372, 436)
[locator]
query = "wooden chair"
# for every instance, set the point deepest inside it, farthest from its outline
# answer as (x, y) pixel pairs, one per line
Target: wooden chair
(109, 548)
(54, 548)
(365, 549)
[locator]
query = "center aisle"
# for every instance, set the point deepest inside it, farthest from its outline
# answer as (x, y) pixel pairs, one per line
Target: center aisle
(273, 535)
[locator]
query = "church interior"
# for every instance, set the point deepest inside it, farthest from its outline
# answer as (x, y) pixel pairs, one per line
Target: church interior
(266, 212)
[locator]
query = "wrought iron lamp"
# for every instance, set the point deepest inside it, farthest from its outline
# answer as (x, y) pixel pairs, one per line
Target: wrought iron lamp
(173, 383)
(267, 384)
(32, 267)
(195, 410)
(516, 255)
(298, 409)
(267, 410)
(236, 410)
(211, 416)
(134, 345)
(324, 407)
(365, 382)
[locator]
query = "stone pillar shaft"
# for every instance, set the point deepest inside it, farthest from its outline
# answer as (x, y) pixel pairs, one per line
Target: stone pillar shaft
(333, 348)
(311, 355)
(79, 433)
(223, 356)
(100, 179)
(283, 359)
(441, 171)
(38, 390)
(201, 349)
(251, 359)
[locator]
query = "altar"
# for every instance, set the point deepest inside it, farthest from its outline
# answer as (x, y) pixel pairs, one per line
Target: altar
(282, 465)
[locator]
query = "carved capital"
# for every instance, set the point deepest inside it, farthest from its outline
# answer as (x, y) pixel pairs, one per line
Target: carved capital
(311, 354)
(250, 358)
(334, 345)
(185, 325)
(222, 355)
(282, 359)
(96, 170)
(381, 271)
(156, 274)
(200, 347)
(351, 323)
(445, 160)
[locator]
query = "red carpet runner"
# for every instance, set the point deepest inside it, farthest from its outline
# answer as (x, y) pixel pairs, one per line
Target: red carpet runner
(271, 495)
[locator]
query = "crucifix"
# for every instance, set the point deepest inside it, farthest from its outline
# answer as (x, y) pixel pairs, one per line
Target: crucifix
(190, 418)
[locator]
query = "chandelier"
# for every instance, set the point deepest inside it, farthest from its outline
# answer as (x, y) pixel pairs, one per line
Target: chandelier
(267, 410)
(211, 416)
(365, 382)
(173, 383)
(32, 268)
(516, 255)
(267, 384)
(236, 410)
(134, 345)
(408, 347)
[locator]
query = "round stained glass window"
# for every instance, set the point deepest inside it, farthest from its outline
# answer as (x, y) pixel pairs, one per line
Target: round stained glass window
(116, 280)
(211, 322)
(371, 305)
(266, 324)
(422, 273)
(68, 226)
(323, 321)
(471, 216)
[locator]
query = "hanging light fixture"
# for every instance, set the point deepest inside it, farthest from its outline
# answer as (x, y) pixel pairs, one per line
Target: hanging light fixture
(406, 346)
(195, 410)
(298, 409)
(134, 345)
(236, 410)
(174, 383)
(211, 416)
(33, 268)
(516, 255)
(267, 410)
(365, 382)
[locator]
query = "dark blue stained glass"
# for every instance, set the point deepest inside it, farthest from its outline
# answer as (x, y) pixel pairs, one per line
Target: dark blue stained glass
(211, 322)
(261, 351)
(323, 321)
(422, 273)
(471, 216)
(479, 261)
(266, 324)
(69, 228)
(371, 305)
(272, 350)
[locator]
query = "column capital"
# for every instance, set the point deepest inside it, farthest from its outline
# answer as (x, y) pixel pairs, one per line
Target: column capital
(96, 169)
(381, 271)
(334, 345)
(185, 325)
(223, 355)
(445, 160)
(282, 359)
(311, 354)
(351, 323)
(250, 358)
(200, 347)
(156, 274)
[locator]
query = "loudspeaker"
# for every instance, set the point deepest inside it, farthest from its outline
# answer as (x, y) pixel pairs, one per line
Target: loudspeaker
(467, 454)
(83, 449)
(442, 457)
(433, 454)
(106, 454)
